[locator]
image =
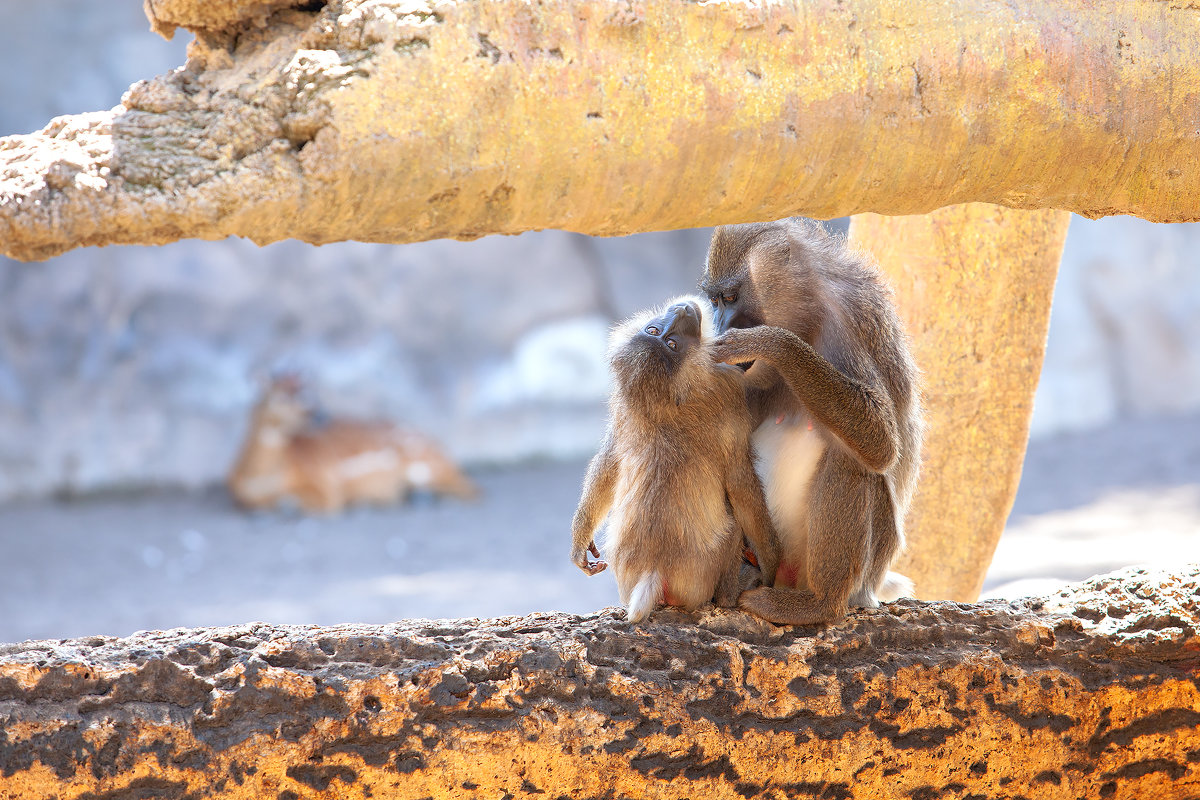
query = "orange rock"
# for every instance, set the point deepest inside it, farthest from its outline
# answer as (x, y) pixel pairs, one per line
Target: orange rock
(1087, 694)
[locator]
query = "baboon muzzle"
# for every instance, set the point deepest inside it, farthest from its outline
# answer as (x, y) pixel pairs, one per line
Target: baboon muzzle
(682, 319)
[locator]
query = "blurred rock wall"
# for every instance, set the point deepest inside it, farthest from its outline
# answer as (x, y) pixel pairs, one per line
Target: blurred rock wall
(1125, 326)
(136, 366)
(127, 366)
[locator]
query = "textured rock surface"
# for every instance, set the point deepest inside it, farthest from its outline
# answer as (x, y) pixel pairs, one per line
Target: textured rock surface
(974, 285)
(204, 15)
(1089, 694)
(404, 121)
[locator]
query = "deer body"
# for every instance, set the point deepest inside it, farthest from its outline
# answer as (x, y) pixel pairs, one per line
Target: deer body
(323, 468)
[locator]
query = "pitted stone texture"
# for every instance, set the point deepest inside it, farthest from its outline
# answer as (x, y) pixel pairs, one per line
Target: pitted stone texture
(199, 15)
(404, 121)
(1092, 693)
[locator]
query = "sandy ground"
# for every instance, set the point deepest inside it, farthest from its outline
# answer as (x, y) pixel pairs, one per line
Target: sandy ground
(1088, 504)
(1095, 502)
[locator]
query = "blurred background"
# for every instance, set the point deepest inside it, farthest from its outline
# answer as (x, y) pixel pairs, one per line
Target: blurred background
(127, 376)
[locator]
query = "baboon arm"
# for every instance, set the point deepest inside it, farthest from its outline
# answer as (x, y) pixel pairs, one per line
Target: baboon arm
(860, 415)
(749, 505)
(598, 486)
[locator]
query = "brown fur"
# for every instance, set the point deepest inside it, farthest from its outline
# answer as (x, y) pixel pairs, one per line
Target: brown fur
(674, 477)
(286, 457)
(829, 352)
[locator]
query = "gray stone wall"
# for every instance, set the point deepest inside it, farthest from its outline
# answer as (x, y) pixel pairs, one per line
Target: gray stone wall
(128, 366)
(136, 366)
(1125, 329)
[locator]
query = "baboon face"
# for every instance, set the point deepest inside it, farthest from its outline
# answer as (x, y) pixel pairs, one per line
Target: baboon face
(761, 274)
(735, 304)
(741, 260)
(661, 345)
(676, 330)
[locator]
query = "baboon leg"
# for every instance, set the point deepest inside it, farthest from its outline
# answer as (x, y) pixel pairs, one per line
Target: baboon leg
(839, 548)
(729, 584)
(885, 545)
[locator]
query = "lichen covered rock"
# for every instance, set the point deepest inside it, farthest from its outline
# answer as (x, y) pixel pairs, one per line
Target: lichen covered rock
(1089, 694)
(205, 15)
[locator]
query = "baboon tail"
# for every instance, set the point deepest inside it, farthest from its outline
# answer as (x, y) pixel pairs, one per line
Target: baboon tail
(646, 595)
(894, 587)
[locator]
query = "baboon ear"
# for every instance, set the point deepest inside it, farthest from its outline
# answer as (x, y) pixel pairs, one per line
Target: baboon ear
(799, 241)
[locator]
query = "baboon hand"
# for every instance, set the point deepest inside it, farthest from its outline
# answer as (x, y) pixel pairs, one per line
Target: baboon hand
(738, 346)
(580, 558)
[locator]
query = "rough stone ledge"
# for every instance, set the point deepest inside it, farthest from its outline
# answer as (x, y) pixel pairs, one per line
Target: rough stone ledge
(1092, 693)
(409, 120)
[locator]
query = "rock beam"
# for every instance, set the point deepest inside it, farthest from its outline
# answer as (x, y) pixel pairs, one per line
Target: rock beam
(396, 122)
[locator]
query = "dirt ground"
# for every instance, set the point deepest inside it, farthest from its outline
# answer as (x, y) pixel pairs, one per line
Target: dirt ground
(1088, 503)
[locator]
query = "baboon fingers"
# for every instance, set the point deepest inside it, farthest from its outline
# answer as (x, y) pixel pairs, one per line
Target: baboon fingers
(727, 594)
(736, 345)
(579, 557)
(769, 566)
(748, 578)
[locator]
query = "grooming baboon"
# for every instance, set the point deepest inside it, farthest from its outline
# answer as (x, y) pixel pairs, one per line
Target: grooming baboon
(833, 394)
(674, 475)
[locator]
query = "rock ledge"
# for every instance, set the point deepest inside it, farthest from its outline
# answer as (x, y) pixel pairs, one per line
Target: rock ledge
(1091, 693)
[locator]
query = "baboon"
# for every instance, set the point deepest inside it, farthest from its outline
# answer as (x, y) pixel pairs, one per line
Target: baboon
(833, 393)
(674, 474)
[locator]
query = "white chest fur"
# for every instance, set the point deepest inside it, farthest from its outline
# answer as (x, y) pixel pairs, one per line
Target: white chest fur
(788, 454)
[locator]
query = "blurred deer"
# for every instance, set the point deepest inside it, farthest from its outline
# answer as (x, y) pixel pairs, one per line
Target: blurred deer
(288, 456)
